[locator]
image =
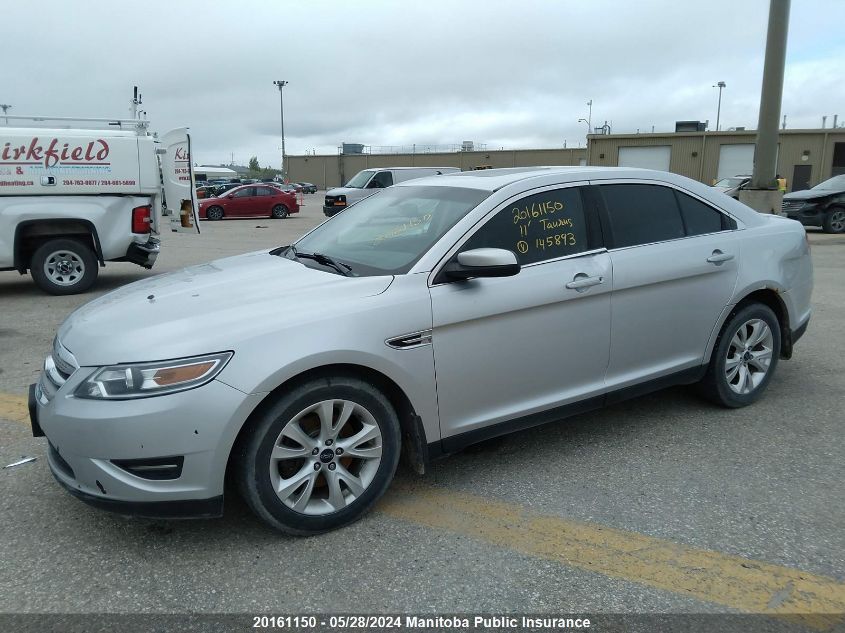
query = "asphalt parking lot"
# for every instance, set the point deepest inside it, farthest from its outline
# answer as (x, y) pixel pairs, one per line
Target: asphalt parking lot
(662, 504)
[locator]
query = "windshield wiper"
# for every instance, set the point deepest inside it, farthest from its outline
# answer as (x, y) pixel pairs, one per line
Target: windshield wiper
(325, 260)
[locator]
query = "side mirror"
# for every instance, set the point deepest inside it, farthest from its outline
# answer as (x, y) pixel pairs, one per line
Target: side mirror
(483, 262)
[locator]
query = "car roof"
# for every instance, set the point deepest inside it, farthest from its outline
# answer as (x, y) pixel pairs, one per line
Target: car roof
(495, 179)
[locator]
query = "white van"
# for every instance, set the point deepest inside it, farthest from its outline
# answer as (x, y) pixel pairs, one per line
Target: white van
(366, 183)
(86, 191)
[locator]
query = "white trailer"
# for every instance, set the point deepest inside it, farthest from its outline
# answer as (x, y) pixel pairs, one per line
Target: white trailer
(86, 191)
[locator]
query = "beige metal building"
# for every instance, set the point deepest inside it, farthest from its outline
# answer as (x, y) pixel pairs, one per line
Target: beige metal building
(805, 157)
(328, 171)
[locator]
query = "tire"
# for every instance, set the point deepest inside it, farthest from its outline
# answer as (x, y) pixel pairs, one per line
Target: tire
(291, 437)
(279, 212)
(64, 267)
(738, 374)
(834, 220)
(214, 213)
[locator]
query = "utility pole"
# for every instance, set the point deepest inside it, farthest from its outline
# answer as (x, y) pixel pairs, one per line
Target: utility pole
(763, 194)
(281, 84)
(5, 107)
(590, 116)
(719, 85)
(771, 94)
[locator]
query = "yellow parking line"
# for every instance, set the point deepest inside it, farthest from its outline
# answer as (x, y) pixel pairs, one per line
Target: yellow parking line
(14, 408)
(732, 581)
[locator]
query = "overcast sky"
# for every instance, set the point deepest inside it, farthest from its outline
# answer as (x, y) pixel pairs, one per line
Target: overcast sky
(512, 74)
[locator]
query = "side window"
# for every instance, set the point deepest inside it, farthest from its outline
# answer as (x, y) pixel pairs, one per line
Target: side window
(641, 214)
(246, 192)
(383, 178)
(700, 218)
(264, 191)
(538, 227)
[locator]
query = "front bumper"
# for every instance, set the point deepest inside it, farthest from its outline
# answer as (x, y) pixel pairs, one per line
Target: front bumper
(144, 254)
(329, 211)
(90, 442)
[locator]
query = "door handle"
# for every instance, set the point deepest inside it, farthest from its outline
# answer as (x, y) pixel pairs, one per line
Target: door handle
(718, 257)
(582, 282)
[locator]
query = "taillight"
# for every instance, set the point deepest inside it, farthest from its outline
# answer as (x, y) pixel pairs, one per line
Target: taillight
(141, 219)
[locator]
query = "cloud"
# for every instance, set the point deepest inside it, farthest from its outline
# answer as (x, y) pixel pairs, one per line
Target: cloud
(513, 74)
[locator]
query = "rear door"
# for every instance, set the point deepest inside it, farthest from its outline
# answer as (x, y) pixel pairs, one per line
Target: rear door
(675, 262)
(177, 175)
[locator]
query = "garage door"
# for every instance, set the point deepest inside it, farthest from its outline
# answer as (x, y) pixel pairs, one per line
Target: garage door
(735, 160)
(656, 157)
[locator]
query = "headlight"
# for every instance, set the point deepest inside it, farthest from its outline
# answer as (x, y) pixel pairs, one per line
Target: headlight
(144, 380)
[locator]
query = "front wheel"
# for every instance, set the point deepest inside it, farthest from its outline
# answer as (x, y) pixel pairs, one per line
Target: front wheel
(834, 220)
(280, 212)
(320, 456)
(64, 267)
(745, 357)
(214, 213)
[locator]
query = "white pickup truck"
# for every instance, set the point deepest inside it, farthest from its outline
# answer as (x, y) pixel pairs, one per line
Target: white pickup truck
(86, 191)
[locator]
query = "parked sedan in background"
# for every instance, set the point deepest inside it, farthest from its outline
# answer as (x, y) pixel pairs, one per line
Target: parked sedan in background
(249, 200)
(286, 186)
(308, 187)
(823, 205)
(538, 293)
(733, 185)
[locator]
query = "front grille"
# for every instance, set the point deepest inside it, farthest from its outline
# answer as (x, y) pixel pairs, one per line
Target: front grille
(791, 205)
(58, 367)
(156, 469)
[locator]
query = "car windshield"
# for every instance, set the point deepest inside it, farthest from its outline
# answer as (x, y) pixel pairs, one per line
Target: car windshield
(387, 233)
(837, 182)
(360, 179)
(729, 182)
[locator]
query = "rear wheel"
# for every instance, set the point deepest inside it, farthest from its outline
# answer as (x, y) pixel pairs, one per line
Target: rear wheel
(320, 456)
(280, 212)
(834, 220)
(745, 357)
(214, 213)
(64, 267)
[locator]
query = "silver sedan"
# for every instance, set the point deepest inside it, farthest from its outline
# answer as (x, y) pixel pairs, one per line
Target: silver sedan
(432, 315)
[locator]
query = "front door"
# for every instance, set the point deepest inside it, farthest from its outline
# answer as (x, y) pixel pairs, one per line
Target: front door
(241, 203)
(506, 348)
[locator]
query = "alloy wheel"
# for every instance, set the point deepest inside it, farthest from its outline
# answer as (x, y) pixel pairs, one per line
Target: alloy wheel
(326, 457)
(749, 356)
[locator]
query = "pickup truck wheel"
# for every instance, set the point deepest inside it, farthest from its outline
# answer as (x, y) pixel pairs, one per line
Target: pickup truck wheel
(744, 358)
(319, 456)
(64, 267)
(280, 212)
(834, 220)
(214, 213)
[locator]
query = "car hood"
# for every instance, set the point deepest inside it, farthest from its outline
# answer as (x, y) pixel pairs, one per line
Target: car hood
(207, 308)
(809, 194)
(342, 191)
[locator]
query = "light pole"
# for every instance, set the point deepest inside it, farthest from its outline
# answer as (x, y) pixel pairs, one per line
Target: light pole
(282, 84)
(719, 85)
(5, 107)
(590, 115)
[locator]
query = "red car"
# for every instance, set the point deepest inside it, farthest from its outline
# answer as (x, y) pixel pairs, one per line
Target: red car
(248, 201)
